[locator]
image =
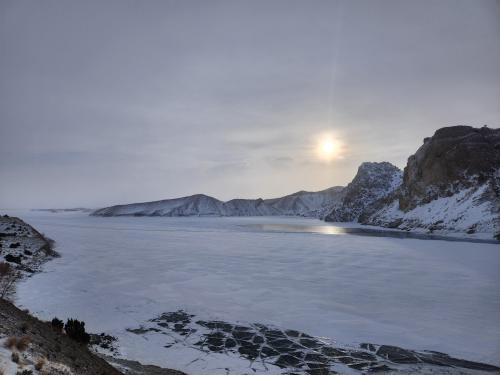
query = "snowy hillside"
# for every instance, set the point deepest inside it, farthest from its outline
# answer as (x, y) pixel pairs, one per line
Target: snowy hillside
(468, 211)
(302, 203)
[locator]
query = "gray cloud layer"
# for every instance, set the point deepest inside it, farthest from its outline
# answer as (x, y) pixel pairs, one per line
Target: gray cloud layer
(106, 102)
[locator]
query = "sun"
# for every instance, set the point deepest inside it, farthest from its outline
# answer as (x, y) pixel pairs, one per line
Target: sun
(328, 148)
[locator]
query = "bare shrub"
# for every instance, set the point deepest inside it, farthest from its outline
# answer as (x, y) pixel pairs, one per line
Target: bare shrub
(19, 343)
(23, 343)
(40, 363)
(8, 277)
(10, 343)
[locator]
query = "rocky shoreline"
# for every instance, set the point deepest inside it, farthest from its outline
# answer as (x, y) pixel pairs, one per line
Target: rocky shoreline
(25, 250)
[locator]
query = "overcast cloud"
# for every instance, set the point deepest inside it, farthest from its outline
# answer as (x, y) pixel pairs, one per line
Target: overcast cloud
(105, 102)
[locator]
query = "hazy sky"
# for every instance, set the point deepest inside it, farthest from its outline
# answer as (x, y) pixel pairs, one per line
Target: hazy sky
(105, 102)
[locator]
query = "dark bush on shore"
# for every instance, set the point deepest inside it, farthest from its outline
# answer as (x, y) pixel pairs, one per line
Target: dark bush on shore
(57, 325)
(8, 277)
(76, 330)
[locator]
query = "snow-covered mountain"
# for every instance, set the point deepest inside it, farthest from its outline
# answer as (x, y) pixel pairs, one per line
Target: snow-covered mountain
(302, 203)
(451, 184)
(373, 182)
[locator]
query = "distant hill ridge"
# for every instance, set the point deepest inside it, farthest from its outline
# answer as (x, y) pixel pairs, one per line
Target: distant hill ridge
(303, 203)
(451, 184)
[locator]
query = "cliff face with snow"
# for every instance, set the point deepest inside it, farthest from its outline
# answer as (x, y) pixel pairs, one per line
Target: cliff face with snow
(451, 184)
(311, 204)
(373, 182)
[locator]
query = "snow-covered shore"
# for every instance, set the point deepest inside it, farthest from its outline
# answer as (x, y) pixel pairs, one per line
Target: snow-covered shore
(423, 295)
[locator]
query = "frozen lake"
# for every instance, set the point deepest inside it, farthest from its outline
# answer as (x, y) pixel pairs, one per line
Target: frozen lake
(116, 273)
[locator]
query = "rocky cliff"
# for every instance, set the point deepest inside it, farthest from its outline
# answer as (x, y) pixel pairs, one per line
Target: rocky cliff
(452, 184)
(452, 159)
(373, 182)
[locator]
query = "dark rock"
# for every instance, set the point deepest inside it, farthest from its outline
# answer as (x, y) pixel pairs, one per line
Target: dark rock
(296, 350)
(380, 368)
(308, 343)
(313, 357)
(452, 154)
(333, 352)
(445, 360)
(250, 351)
(273, 333)
(320, 371)
(292, 333)
(142, 330)
(216, 349)
(282, 343)
(397, 355)
(230, 343)
(178, 327)
(268, 352)
(242, 335)
(13, 259)
(286, 360)
(368, 346)
(363, 355)
(258, 339)
(395, 223)
(372, 182)
(345, 360)
(359, 365)
(175, 317)
(214, 341)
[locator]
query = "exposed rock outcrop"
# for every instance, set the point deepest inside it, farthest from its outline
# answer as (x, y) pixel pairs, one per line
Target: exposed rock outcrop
(373, 182)
(452, 159)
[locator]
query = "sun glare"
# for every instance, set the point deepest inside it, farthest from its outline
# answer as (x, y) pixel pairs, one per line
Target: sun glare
(328, 149)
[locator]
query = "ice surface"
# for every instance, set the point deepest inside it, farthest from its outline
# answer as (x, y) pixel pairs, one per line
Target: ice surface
(116, 273)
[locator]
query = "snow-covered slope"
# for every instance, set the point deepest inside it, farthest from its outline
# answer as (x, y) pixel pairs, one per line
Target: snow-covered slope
(302, 203)
(305, 203)
(466, 211)
(373, 182)
(202, 204)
